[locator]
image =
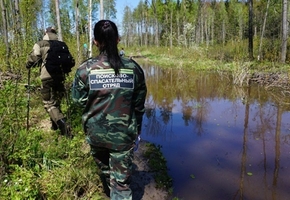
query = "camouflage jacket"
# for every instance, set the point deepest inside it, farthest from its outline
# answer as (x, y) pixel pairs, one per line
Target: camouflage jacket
(113, 105)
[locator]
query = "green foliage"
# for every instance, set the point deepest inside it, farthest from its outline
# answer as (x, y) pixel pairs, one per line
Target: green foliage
(70, 173)
(50, 168)
(249, 173)
(176, 57)
(21, 184)
(270, 47)
(28, 17)
(157, 163)
(41, 164)
(12, 117)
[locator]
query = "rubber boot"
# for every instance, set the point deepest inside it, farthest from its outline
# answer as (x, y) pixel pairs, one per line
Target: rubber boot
(64, 128)
(105, 180)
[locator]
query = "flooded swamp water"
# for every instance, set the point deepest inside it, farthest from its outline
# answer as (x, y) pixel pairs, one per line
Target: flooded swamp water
(220, 141)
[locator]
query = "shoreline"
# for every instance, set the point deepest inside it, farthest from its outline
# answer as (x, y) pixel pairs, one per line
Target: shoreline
(143, 184)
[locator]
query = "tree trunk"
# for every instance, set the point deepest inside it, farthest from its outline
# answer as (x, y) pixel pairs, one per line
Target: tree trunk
(156, 32)
(18, 22)
(166, 29)
(139, 33)
(284, 31)
(171, 28)
(146, 28)
(16, 28)
(212, 30)
(250, 48)
(58, 20)
(198, 24)
(90, 26)
(4, 23)
(224, 32)
(12, 18)
(178, 25)
(101, 9)
(78, 34)
(263, 31)
(202, 26)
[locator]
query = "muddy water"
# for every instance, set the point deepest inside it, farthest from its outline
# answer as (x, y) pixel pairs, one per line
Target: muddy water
(220, 141)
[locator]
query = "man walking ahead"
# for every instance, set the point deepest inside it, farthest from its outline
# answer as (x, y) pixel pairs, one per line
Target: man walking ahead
(52, 89)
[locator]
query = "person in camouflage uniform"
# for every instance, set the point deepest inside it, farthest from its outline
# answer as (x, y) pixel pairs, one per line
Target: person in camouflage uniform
(112, 91)
(52, 89)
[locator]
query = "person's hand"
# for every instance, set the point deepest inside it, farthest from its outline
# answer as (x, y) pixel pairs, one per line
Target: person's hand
(73, 62)
(136, 143)
(28, 65)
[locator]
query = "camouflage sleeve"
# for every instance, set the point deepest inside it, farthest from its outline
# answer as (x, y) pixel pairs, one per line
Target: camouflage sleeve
(140, 96)
(79, 90)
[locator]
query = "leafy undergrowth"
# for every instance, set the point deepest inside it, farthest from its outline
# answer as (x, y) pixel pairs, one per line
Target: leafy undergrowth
(44, 165)
(40, 163)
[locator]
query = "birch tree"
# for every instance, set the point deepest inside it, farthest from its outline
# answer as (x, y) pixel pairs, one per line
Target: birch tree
(250, 47)
(90, 27)
(17, 22)
(284, 30)
(263, 30)
(5, 33)
(77, 28)
(101, 8)
(58, 20)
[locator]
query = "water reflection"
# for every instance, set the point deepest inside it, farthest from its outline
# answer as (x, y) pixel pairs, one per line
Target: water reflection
(234, 140)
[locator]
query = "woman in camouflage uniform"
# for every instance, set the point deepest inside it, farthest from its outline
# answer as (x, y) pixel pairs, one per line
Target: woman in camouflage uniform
(112, 91)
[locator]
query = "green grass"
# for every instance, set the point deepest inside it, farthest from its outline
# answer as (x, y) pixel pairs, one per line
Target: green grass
(40, 163)
(199, 58)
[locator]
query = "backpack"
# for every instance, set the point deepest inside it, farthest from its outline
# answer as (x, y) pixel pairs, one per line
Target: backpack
(58, 60)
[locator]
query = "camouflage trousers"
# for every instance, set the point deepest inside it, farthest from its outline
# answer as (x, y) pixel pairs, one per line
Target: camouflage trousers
(52, 92)
(116, 170)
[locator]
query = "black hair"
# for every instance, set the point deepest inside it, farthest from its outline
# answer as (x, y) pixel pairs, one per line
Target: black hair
(106, 34)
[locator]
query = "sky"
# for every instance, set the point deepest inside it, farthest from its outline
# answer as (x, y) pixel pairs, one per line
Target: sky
(121, 4)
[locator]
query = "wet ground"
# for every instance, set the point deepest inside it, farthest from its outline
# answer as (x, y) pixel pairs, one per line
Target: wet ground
(143, 184)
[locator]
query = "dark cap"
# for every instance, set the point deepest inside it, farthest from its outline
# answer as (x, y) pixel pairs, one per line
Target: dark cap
(50, 29)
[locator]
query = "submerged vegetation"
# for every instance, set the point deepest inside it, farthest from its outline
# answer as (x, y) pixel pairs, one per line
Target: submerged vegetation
(157, 163)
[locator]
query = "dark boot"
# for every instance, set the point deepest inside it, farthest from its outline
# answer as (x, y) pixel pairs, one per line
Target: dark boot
(105, 181)
(53, 125)
(64, 128)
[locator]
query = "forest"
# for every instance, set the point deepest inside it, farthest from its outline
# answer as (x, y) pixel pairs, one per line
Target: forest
(254, 30)
(37, 164)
